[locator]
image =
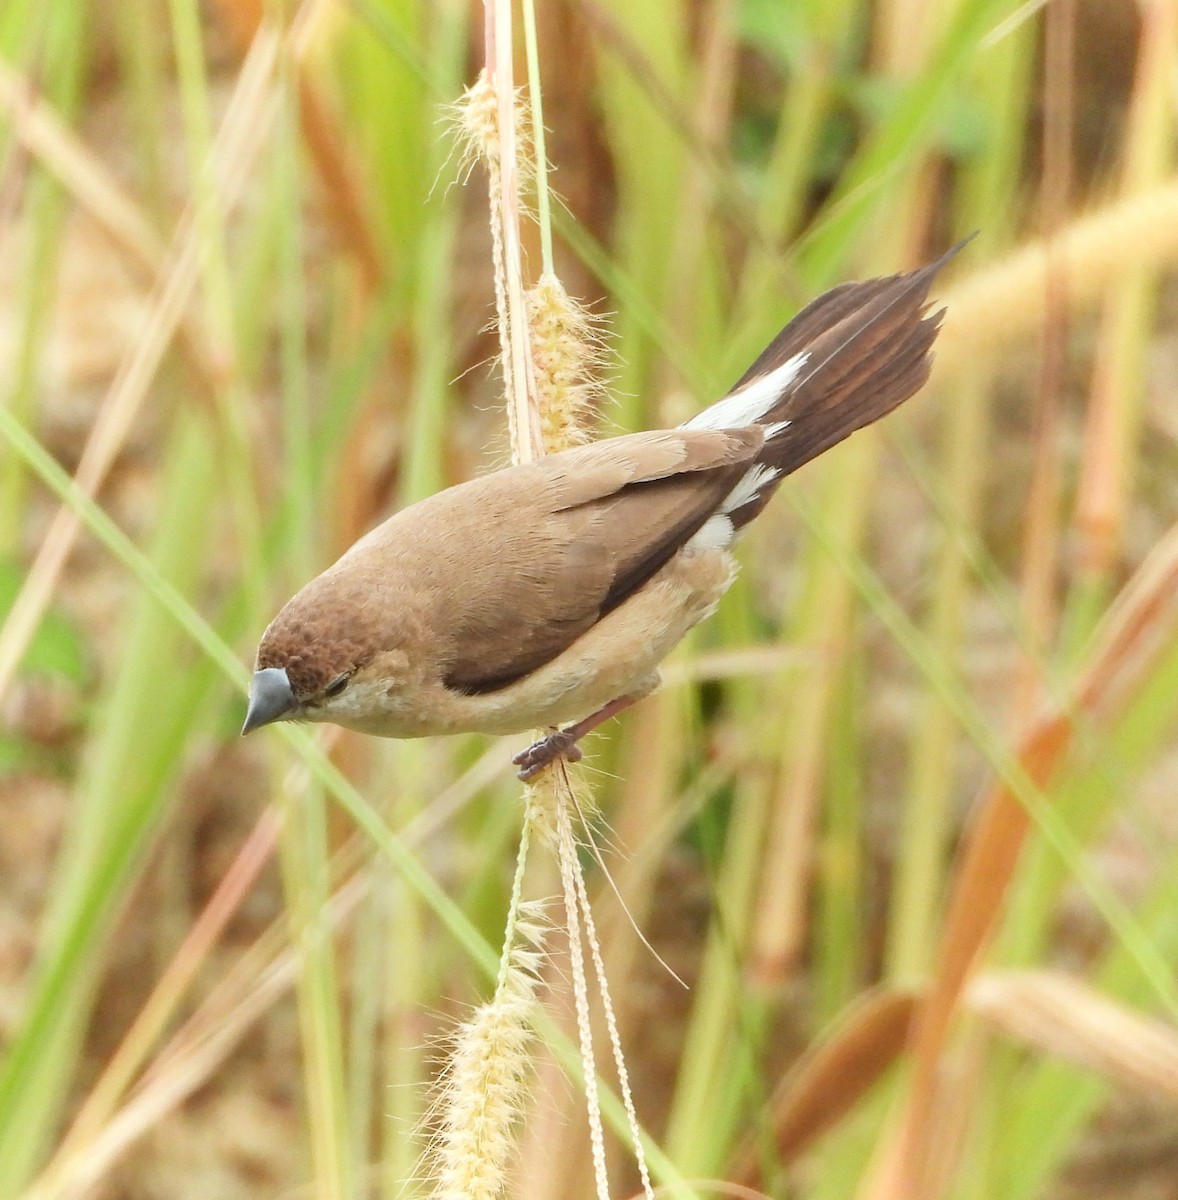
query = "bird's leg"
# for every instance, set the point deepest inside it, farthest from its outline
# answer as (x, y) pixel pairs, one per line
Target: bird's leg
(562, 743)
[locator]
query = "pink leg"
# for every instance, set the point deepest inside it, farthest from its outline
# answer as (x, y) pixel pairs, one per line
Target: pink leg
(562, 743)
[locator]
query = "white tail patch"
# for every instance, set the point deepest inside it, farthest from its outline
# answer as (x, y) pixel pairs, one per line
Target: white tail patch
(718, 532)
(747, 405)
(751, 485)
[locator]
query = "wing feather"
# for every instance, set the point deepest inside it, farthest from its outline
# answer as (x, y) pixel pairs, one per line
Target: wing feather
(575, 534)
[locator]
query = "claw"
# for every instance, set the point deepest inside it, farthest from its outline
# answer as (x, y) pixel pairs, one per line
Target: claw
(560, 743)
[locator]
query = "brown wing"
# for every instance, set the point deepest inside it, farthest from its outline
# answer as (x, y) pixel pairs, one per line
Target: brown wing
(561, 541)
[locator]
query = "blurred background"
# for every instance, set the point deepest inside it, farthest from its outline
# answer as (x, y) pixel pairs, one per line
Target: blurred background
(903, 815)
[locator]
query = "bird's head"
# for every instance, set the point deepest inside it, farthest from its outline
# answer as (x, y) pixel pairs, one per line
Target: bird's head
(299, 677)
(325, 657)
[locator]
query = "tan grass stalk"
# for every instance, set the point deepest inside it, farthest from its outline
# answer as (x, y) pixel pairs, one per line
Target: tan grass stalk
(234, 886)
(611, 1023)
(485, 1080)
(550, 358)
(342, 186)
(831, 1078)
(488, 118)
(522, 409)
(1039, 566)
(570, 875)
(100, 1136)
(190, 1059)
(93, 185)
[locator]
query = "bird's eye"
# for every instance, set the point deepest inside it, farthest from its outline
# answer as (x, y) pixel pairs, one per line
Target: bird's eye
(336, 686)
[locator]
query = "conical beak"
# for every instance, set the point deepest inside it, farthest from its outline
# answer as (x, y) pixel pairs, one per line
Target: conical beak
(271, 699)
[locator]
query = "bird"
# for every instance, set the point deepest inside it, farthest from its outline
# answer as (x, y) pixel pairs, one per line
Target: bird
(544, 596)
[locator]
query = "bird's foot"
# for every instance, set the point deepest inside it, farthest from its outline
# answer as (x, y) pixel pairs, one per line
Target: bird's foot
(560, 743)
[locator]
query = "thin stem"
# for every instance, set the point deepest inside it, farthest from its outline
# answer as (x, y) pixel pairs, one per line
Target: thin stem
(525, 424)
(513, 908)
(615, 1038)
(535, 99)
(570, 874)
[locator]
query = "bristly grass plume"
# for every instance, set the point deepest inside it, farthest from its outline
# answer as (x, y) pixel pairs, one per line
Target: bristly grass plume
(484, 1084)
(567, 355)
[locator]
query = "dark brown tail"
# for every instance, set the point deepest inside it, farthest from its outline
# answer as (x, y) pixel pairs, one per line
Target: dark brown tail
(867, 350)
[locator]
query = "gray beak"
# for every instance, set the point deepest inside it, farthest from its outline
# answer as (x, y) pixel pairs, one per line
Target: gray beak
(271, 699)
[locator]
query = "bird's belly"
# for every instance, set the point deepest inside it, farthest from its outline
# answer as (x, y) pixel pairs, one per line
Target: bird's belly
(619, 656)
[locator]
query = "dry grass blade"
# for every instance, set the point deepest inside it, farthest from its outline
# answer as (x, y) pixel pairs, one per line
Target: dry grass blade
(187, 1066)
(242, 134)
(232, 890)
(1060, 1015)
(99, 1135)
(1139, 624)
(832, 1078)
(194, 1054)
(83, 174)
(80, 172)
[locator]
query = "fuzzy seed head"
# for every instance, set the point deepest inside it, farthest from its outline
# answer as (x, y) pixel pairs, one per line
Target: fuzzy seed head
(553, 790)
(475, 118)
(486, 1076)
(483, 1098)
(567, 356)
(475, 121)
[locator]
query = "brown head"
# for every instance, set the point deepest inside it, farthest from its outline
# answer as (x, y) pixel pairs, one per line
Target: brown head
(326, 656)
